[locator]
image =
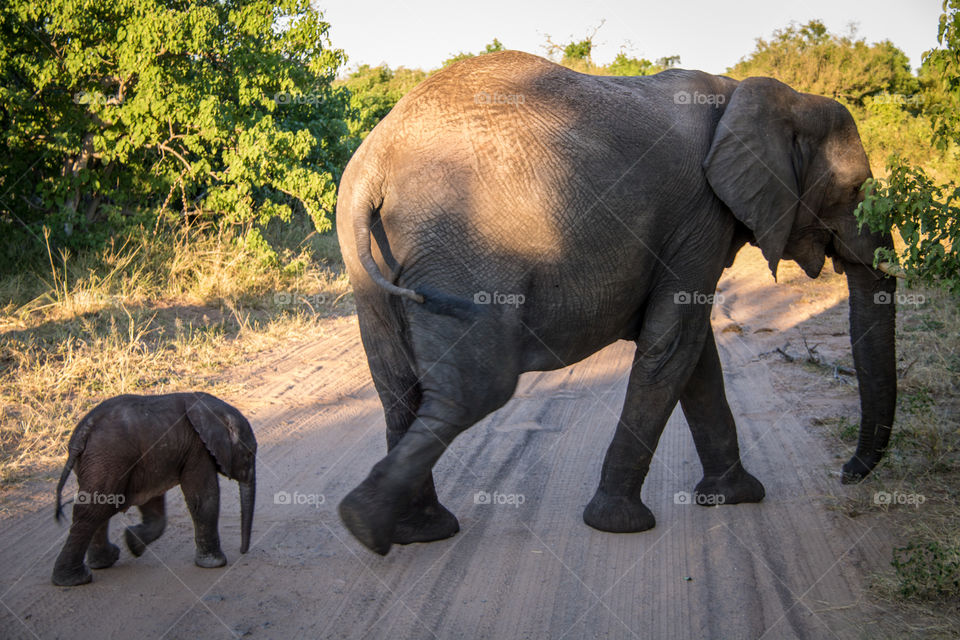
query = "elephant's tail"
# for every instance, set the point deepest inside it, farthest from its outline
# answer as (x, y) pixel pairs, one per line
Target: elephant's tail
(78, 442)
(432, 300)
(361, 230)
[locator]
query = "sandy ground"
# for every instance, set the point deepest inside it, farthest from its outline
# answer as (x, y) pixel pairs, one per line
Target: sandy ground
(524, 565)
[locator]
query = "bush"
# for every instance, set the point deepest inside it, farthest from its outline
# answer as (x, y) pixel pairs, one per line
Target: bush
(146, 111)
(928, 570)
(925, 214)
(624, 65)
(810, 59)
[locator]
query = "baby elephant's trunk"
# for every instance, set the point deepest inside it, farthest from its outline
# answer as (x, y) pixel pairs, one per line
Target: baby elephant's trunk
(248, 495)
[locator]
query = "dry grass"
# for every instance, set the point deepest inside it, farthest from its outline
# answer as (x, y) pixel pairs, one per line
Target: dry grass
(922, 467)
(144, 316)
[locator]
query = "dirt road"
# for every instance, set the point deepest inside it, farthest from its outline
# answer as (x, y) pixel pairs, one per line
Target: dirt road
(524, 565)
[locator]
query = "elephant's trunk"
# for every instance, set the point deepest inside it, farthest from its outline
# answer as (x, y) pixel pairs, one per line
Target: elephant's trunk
(248, 495)
(872, 336)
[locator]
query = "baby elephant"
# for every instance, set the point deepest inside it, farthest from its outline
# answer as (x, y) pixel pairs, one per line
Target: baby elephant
(129, 451)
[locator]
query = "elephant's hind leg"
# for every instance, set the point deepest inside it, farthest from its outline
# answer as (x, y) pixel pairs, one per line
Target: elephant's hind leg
(70, 569)
(704, 403)
(102, 554)
(398, 386)
(154, 522)
(467, 372)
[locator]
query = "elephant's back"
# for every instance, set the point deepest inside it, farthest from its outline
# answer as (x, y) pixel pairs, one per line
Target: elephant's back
(493, 149)
(498, 107)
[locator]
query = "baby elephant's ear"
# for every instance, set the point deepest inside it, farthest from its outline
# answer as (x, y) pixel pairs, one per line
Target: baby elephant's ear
(214, 421)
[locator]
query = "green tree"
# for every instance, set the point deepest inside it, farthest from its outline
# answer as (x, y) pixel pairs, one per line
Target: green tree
(924, 214)
(576, 54)
(810, 59)
(578, 50)
(940, 76)
(624, 65)
(493, 47)
(113, 113)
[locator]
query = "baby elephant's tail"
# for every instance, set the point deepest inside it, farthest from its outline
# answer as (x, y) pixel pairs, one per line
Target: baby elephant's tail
(78, 442)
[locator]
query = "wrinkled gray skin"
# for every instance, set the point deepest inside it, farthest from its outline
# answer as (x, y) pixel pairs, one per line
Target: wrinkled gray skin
(139, 447)
(598, 199)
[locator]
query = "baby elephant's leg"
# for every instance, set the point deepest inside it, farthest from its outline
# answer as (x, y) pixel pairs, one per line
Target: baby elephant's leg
(154, 516)
(70, 569)
(201, 490)
(102, 554)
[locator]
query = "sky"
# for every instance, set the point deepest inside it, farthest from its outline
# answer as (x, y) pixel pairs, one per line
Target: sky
(707, 35)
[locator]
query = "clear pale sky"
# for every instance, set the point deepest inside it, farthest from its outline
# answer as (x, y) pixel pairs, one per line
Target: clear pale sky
(707, 35)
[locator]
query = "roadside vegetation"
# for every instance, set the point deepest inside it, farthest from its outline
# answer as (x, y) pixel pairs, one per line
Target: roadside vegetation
(168, 180)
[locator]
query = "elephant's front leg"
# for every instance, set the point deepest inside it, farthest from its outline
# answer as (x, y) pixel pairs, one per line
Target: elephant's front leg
(667, 349)
(201, 491)
(704, 403)
(102, 554)
(154, 521)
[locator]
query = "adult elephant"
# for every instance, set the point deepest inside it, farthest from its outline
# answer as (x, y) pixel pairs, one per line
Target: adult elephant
(511, 215)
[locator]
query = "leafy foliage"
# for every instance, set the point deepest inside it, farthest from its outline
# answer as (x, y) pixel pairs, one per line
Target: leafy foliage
(624, 65)
(578, 50)
(890, 124)
(941, 76)
(118, 113)
(928, 570)
(927, 218)
(810, 59)
(925, 214)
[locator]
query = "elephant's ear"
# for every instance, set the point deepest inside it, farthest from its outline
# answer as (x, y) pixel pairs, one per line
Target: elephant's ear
(215, 423)
(754, 163)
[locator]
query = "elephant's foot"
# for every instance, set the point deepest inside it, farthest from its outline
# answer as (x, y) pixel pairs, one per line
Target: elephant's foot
(732, 488)
(426, 524)
(210, 559)
(618, 514)
(71, 576)
(370, 519)
(134, 537)
(858, 468)
(102, 557)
